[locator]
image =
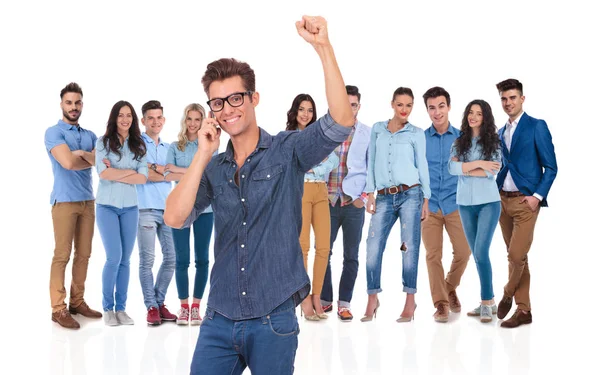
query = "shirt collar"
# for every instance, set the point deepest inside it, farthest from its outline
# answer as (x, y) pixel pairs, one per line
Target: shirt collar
(516, 122)
(431, 131)
(264, 141)
(66, 126)
(150, 140)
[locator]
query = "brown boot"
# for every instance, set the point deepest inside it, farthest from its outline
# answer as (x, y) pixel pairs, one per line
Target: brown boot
(455, 305)
(85, 310)
(504, 306)
(441, 315)
(518, 318)
(64, 318)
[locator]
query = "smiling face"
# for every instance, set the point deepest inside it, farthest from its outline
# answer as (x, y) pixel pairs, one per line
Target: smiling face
(512, 103)
(153, 121)
(438, 109)
(475, 118)
(193, 121)
(124, 121)
(402, 106)
(305, 114)
(71, 105)
(236, 121)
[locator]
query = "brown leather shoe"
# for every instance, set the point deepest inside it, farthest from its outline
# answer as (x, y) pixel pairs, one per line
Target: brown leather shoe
(518, 318)
(441, 315)
(64, 318)
(85, 310)
(455, 305)
(504, 307)
(344, 314)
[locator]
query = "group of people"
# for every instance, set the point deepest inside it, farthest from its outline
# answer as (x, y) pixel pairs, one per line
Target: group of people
(135, 172)
(267, 191)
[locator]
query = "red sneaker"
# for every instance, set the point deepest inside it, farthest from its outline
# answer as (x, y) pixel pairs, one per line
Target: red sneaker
(166, 314)
(195, 319)
(153, 317)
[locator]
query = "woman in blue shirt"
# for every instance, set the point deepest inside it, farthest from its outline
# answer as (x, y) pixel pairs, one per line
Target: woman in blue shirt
(475, 158)
(179, 157)
(398, 171)
(121, 164)
(315, 208)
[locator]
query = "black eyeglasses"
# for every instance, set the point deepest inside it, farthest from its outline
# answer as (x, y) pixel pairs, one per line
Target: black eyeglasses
(235, 100)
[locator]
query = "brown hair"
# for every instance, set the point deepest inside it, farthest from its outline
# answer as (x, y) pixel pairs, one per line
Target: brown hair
(222, 69)
(71, 87)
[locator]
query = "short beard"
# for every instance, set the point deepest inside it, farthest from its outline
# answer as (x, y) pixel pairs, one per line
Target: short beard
(68, 117)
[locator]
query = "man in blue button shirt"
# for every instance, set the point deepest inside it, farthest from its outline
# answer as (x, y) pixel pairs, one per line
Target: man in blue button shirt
(255, 188)
(72, 154)
(443, 209)
(151, 203)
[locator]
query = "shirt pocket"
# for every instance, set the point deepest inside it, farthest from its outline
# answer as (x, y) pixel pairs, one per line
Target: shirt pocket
(265, 183)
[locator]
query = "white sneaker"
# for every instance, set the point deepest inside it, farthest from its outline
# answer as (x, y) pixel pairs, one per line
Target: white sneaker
(123, 318)
(183, 316)
(110, 319)
(195, 319)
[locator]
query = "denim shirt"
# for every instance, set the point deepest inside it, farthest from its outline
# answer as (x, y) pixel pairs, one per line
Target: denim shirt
(443, 184)
(154, 194)
(321, 171)
(114, 193)
(258, 259)
(397, 158)
(474, 190)
(184, 158)
(70, 186)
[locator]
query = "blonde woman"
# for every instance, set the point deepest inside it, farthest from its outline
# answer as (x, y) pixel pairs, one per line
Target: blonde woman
(179, 157)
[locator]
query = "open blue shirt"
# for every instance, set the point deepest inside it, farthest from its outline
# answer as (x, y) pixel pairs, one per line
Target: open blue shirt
(397, 158)
(474, 190)
(114, 193)
(258, 259)
(154, 194)
(70, 186)
(443, 184)
(321, 172)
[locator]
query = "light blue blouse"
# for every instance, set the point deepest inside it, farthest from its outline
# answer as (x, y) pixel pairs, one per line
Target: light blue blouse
(321, 171)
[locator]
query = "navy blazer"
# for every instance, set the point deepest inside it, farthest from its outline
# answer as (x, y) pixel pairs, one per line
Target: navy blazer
(531, 159)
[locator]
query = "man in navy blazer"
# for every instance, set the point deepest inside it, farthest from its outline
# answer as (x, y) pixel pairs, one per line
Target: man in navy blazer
(528, 171)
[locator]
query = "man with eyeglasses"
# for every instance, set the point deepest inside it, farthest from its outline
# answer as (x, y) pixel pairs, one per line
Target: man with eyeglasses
(255, 188)
(347, 200)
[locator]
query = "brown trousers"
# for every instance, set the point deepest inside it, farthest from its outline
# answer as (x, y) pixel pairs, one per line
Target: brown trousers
(73, 223)
(517, 222)
(433, 239)
(315, 211)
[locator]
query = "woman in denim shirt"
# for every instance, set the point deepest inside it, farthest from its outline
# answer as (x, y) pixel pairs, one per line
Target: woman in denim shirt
(315, 208)
(121, 164)
(475, 158)
(179, 157)
(398, 171)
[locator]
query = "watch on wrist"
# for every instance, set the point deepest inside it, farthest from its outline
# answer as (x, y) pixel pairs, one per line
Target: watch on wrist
(153, 167)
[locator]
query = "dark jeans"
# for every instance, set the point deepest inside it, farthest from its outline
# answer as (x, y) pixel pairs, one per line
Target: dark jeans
(203, 227)
(266, 345)
(351, 220)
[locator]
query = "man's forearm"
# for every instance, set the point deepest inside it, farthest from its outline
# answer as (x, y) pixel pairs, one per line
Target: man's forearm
(89, 157)
(335, 89)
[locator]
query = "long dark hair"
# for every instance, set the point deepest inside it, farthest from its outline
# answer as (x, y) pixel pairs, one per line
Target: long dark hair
(488, 137)
(292, 114)
(111, 137)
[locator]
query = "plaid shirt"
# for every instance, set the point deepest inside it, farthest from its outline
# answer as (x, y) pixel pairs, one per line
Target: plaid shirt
(337, 175)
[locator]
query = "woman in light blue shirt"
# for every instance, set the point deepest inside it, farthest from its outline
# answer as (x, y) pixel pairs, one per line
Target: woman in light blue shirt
(476, 158)
(179, 157)
(398, 171)
(315, 208)
(121, 164)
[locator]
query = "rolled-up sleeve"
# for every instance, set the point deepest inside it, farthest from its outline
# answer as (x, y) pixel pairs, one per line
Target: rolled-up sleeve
(100, 155)
(171, 156)
(142, 166)
(454, 167)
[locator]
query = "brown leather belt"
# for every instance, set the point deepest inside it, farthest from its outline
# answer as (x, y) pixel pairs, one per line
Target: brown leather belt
(396, 189)
(511, 194)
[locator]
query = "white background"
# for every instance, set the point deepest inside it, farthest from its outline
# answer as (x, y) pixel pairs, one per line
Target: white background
(158, 50)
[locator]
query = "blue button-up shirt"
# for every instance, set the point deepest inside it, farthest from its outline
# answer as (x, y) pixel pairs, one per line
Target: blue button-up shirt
(474, 190)
(258, 259)
(114, 193)
(321, 172)
(443, 184)
(397, 158)
(154, 194)
(184, 158)
(70, 186)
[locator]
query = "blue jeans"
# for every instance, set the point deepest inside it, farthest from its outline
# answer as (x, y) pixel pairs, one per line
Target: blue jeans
(407, 207)
(152, 224)
(203, 227)
(351, 219)
(117, 228)
(479, 223)
(267, 345)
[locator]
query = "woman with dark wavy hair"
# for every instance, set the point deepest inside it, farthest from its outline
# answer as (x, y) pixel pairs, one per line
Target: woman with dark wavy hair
(315, 208)
(476, 158)
(121, 164)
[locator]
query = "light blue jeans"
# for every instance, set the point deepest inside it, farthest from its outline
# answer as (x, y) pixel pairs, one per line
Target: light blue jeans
(150, 225)
(117, 229)
(479, 223)
(407, 207)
